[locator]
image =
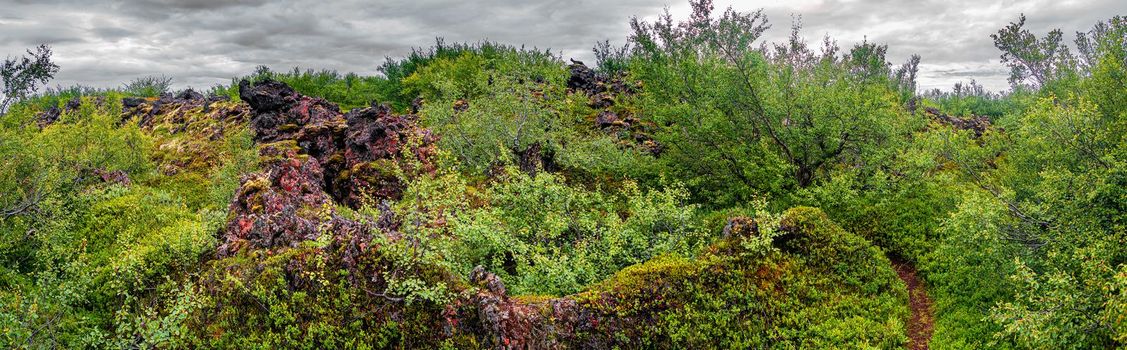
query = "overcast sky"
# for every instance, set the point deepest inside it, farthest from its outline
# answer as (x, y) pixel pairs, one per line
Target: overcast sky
(201, 43)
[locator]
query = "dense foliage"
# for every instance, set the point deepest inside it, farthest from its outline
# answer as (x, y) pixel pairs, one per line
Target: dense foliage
(695, 188)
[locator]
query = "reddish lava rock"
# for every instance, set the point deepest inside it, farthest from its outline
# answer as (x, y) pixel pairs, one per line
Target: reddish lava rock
(279, 207)
(315, 156)
(364, 153)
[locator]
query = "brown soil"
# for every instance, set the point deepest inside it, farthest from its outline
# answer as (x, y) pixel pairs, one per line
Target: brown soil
(922, 322)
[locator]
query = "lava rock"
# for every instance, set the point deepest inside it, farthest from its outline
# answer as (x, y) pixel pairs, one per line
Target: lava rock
(362, 152)
(280, 113)
(48, 117)
(607, 119)
(976, 124)
(267, 96)
(218, 98)
(582, 78)
(119, 177)
(73, 105)
(486, 279)
(417, 105)
(131, 102)
(278, 207)
(189, 94)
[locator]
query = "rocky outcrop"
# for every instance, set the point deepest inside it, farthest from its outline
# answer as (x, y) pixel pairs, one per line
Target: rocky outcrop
(604, 95)
(52, 114)
(380, 148)
(365, 154)
(180, 108)
(502, 322)
(582, 78)
(607, 119)
(315, 157)
(73, 104)
(186, 127)
(602, 89)
(279, 207)
(48, 117)
(286, 205)
(976, 124)
(189, 95)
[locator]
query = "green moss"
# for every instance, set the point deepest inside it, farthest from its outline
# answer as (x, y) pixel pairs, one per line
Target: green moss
(663, 269)
(785, 298)
(385, 168)
(300, 297)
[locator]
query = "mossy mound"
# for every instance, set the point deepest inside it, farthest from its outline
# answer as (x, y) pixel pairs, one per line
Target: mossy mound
(805, 294)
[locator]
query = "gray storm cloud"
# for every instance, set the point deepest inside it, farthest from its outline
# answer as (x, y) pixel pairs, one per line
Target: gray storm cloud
(200, 43)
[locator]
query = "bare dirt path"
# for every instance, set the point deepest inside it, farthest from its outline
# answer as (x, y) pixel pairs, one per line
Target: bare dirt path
(921, 323)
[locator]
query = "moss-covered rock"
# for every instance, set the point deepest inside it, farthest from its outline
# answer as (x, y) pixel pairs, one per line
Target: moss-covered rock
(728, 297)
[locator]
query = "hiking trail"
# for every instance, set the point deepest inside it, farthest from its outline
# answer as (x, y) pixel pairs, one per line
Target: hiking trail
(921, 324)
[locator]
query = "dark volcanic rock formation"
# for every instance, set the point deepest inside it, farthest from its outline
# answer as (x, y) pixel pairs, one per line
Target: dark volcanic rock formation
(52, 114)
(73, 105)
(280, 207)
(189, 94)
(976, 124)
(364, 153)
(48, 117)
(315, 156)
(178, 109)
(377, 145)
(583, 78)
(604, 94)
(599, 86)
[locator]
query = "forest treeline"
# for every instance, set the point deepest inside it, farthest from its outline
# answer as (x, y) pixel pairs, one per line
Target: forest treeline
(695, 188)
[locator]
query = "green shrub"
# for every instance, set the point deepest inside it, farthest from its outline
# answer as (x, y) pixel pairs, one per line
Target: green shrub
(741, 122)
(545, 237)
(148, 86)
(85, 253)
